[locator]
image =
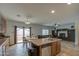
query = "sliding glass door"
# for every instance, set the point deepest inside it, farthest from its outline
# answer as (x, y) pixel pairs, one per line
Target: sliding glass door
(27, 32)
(19, 35)
(22, 32)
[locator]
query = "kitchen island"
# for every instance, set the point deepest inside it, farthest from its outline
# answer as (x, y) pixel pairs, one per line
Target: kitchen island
(46, 46)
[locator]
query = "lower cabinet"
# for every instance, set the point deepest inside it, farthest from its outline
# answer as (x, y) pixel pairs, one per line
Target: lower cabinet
(5, 46)
(56, 48)
(58, 45)
(53, 49)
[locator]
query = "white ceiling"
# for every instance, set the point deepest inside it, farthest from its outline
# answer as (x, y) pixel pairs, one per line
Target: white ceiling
(41, 13)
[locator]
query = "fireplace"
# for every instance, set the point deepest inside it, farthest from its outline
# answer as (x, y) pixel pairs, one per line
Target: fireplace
(63, 35)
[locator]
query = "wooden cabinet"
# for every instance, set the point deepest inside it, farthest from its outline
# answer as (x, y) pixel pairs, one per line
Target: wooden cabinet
(56, 48)
(58, 45)
(53, 49)
(4, 45)
(2, 24)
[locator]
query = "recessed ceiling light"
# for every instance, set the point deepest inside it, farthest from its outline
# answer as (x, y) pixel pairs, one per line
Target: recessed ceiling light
(69, 2)
(52, 11)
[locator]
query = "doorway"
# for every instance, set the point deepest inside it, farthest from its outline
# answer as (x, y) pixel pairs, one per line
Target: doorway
(21, 33)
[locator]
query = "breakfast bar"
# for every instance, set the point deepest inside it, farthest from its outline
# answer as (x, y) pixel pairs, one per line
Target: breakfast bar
(46, 46)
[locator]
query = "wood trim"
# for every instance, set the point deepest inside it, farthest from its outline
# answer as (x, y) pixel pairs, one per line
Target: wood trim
(30, 30)
(23, 32)
(15, 34)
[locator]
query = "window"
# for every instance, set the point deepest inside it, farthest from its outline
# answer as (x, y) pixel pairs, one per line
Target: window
(45, 32)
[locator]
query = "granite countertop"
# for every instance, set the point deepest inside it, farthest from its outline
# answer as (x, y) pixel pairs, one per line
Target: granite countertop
(4, 37)
(39, 42)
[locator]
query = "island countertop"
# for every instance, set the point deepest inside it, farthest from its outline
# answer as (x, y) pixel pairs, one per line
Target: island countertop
(46, 46)
(39, 42)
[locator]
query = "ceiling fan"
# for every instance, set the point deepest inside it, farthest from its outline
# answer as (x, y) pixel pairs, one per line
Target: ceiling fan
(56, 25)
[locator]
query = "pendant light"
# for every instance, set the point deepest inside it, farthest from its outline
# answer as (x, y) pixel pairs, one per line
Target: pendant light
(27, 22)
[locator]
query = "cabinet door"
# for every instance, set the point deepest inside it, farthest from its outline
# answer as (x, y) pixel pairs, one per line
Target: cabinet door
(53, 49)
(58, 46)
(3, 25)
(0, 27)
(0, 24)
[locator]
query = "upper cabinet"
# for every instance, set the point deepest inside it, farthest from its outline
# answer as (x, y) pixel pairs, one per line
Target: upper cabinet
(2, 24)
